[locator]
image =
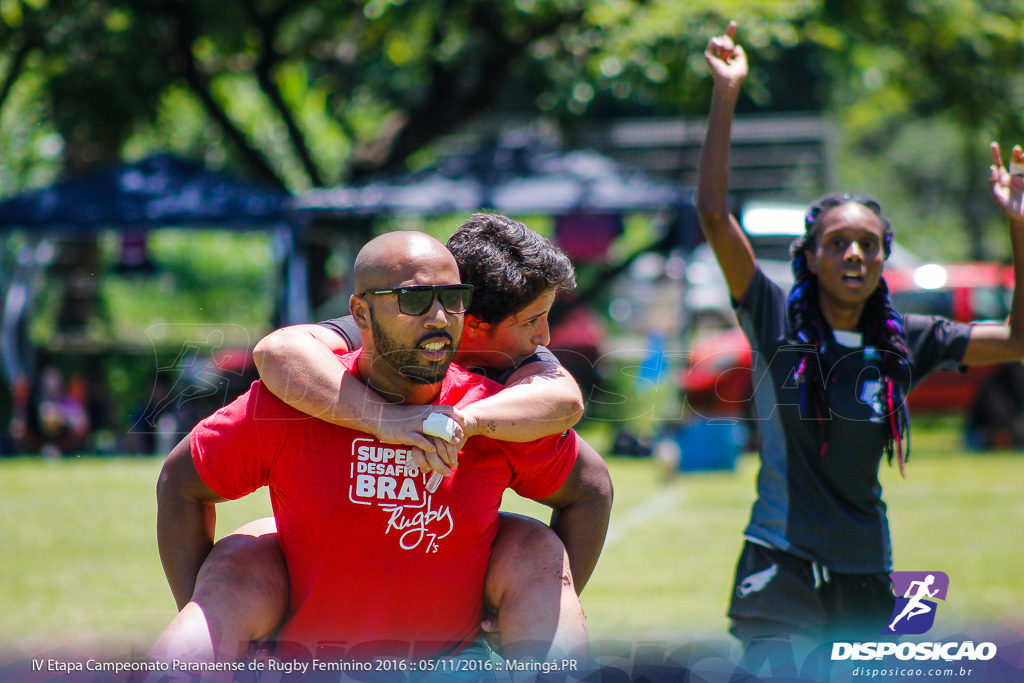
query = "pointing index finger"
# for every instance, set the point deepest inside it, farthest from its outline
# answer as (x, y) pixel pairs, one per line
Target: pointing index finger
(997, 160)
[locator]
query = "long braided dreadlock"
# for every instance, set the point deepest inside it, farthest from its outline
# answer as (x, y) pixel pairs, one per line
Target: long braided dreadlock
(880, 323)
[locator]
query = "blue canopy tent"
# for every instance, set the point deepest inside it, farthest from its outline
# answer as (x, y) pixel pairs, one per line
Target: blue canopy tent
(157, 192)
(513, 176)
(163, 190)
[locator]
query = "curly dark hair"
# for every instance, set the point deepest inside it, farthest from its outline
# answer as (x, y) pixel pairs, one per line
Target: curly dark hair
(509, 265)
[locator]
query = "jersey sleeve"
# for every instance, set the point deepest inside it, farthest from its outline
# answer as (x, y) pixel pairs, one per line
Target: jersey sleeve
(762, 310)
(234, 449)
(346, 328)
(541, 355)
(540, 467)
(935, 343)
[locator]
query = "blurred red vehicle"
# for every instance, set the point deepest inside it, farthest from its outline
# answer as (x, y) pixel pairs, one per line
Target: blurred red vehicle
(964, 292)
(719, 369)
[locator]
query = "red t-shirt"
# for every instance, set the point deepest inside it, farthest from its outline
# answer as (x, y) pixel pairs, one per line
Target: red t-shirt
(372, 556)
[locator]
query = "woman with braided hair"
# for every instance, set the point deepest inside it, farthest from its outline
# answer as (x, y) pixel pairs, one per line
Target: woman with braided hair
(833, 363)
(879, 320)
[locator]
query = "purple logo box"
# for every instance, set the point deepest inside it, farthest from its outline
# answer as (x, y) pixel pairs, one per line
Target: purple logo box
(914, 611)
(901, 582)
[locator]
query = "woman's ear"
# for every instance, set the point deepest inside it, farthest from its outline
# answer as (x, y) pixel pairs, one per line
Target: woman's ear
(812, 261)
(360, 311)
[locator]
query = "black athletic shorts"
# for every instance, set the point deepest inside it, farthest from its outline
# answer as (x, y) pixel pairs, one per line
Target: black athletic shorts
(779, 594)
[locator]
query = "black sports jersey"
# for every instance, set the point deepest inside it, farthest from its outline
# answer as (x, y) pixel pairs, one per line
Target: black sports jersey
(818, 490)
(349, 331)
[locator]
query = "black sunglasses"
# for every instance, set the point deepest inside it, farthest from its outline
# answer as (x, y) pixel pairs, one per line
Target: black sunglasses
(417, 299)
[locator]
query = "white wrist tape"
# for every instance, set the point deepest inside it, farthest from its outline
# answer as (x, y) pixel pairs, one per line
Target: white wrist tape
(440, 426)
(435, 480)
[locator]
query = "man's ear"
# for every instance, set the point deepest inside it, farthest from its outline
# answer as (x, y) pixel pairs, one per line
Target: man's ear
(474, 326)
(360, 311)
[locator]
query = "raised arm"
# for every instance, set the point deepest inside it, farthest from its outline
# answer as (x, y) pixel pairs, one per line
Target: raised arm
(298, 365)
(581, 509)
(728, 65)
(540, 399)
(185, 521)
(1002, 343)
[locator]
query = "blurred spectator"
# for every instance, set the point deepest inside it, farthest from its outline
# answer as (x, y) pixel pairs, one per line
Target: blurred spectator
(577, 340)
(192, 386)
(57, 422)
(996, 418)
(629, 444)
(21, 407)
(157, 425)
(102, 418)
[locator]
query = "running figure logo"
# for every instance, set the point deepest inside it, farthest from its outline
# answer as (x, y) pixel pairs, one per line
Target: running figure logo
(914, 613)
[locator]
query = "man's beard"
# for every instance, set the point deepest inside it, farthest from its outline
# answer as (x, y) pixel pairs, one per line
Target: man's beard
(407, 362)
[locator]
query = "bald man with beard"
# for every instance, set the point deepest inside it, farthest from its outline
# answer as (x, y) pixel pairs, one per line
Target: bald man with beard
(377, 564)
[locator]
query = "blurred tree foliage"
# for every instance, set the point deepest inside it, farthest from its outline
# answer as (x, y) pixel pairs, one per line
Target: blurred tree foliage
(305, 93)
(938, 75)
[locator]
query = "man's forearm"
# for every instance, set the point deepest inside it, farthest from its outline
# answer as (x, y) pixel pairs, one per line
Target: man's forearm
(185, 521)
(185, 533)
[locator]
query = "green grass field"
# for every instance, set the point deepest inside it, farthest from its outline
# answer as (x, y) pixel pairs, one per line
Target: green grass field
(79, 564)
